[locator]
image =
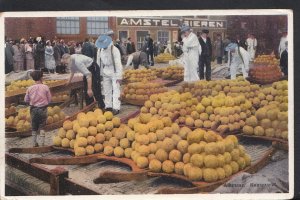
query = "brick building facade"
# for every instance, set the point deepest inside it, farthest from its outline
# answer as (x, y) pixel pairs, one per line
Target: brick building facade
(161, 29)
(266, 28)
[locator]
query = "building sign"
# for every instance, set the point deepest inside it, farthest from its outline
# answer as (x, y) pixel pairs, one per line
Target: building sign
(202, 23)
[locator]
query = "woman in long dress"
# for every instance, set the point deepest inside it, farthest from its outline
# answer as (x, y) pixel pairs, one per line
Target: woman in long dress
(18, 57)
(49, 58)
(29, 55)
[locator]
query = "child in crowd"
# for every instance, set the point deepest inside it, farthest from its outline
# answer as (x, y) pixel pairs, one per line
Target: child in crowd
(38, 96)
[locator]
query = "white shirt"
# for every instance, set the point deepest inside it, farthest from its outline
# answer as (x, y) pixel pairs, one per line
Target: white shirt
(204, 39)
(80, 63)
(282, 45)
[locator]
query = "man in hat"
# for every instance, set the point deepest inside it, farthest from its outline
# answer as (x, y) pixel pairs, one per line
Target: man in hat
(109, 60)
(240, 59)
(87, 48)
(282, 44)
(110, 33)
(191, 51)
(149, 49)
(136, 59)
(251, 43)
(205, 57)
(91, 76)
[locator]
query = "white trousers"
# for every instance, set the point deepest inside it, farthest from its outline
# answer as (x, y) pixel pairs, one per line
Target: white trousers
(129, 60)
(111, 92)
(251, 53)
(234, 67)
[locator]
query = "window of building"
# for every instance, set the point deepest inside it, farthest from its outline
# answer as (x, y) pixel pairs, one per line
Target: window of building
(163, 37)
(67, 25)
(97, 25)
(123, 35)
(140, 37)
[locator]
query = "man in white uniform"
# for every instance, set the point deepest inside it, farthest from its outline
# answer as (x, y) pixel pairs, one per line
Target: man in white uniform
(169, 48)
(282, 44)
(251, 43)
(240, 59)
(109, 60)
(191, 51)
(137, 58)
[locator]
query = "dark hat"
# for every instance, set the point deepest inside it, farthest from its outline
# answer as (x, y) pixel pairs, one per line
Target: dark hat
(205, 31)
(284, 30)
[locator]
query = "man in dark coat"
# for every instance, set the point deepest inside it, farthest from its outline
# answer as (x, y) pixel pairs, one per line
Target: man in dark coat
(87, 48)
(39, 54)
(205, 57)
(9, 61)
(219, 49)
(71, 47)
(63, 48)
(240, 42)
(118, 45)
(149, 49)
(284, 60)
(130, 46)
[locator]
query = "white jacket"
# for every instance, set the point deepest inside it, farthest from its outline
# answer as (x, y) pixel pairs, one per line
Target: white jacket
(191, 51)
(104, 60)
(282, 45)
(238, 60)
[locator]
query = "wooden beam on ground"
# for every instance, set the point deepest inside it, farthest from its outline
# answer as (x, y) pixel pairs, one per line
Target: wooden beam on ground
(73, 188)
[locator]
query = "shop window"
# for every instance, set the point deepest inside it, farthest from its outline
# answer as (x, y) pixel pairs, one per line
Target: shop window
(123, 35)
(67, 25)
(163, 37)
(140, 35)
(97, 25)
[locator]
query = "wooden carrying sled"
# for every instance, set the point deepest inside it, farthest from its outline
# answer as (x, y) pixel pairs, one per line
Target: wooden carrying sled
(136, 173)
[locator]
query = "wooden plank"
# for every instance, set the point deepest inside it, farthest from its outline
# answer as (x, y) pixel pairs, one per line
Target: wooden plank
(70, 187)
(57, 184)
(264, 138)
(279, 145)
(129, 116)
(125, 161)
(114, 177)
(54, 183)
(31, 150)
(65, 160)
(172, 83)
(133, 102)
